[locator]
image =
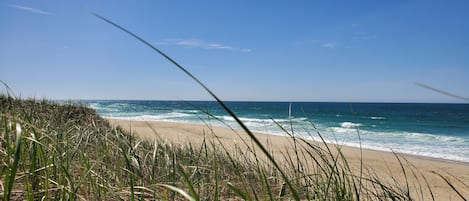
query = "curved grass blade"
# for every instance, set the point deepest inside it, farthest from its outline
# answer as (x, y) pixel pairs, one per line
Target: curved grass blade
(239, 192)
(451, 185)
(8, 89)
(177, 190)
(224, 106)
(186, 179)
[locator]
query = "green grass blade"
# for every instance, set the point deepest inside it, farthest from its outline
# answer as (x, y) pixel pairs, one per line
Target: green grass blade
(239, 192)
(215, 168)
(10, 179)
(191, 187)
(129, 168)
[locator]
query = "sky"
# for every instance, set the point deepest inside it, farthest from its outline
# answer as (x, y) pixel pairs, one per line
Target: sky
(346, 51)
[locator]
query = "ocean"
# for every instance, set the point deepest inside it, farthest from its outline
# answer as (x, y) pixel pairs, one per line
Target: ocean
(423, 129)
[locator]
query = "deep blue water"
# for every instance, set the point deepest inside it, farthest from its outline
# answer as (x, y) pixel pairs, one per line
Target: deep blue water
(433, 130)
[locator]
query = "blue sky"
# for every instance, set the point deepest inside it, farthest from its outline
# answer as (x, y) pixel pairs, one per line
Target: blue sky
(373, 51)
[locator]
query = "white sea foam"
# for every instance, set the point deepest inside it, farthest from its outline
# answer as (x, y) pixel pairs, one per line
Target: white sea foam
(422, 144)
(432, 137)
(94, 106)
(246, 120)
(417, 137)
(350, 125)
(189, 111)
(454, 149)
(159, 117)
(377, 118)
(443, 152)
(346, 127)
(343, 130)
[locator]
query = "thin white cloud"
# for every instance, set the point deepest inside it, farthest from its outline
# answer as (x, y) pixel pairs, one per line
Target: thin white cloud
(329, 45)
(364, 36)
(316, 41)
(324, 44)
(161, 43)
(197, 43)
(30, 9)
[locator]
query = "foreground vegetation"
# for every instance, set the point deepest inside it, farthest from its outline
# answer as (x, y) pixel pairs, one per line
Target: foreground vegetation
(51, 151)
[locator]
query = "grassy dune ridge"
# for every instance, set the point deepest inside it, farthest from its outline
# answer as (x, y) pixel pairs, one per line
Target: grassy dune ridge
(69, 152)
(56, 151)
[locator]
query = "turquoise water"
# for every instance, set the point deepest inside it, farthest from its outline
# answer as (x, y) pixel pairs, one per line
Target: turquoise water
(432, 130)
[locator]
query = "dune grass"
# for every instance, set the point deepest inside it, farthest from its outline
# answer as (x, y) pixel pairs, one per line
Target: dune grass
(69, 152)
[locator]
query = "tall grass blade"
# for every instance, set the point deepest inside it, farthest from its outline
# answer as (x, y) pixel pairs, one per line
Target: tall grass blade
(239, 192)
(10, 179)
(130, 171)
(215, 168)
(224, 106)
(407, 190)
(8, 89)
(441, 91)
(452, 186)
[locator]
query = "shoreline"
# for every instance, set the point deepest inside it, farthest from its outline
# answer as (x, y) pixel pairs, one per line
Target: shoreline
(328, 142)
(374, 163)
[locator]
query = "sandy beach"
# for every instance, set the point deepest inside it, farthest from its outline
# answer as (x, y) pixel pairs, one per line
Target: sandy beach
(418, 170)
